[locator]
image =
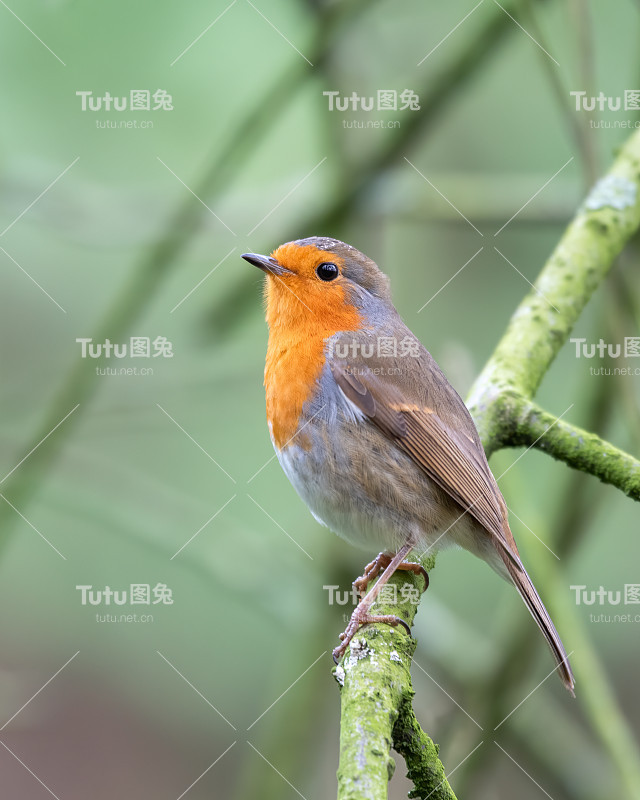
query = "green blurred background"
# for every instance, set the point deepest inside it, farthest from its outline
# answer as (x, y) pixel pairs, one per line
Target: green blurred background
(119, 241)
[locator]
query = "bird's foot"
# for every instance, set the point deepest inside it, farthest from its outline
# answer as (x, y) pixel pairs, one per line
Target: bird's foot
(381, 562)
(358, 620)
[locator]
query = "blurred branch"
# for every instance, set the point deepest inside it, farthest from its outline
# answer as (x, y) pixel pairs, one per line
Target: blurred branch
(598, 698)
(582, 21)
(578, 126)
(625, 317)
(599, 703)
(542, 323)
(356, 186)
(81, 384)
(489, 199)
(568, 526)
(376, 710)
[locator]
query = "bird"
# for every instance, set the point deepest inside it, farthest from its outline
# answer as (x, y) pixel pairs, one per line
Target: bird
(371, 434)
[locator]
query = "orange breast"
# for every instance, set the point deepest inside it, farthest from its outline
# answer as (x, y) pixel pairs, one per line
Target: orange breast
(295, 354)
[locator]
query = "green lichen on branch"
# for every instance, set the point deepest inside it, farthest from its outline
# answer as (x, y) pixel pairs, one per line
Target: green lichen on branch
(376, 712)
(420, 753)
(519, 422)
(544, 319)
(578, 448)
(586, 252)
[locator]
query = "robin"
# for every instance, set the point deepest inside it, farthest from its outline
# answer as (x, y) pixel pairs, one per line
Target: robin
(370, 432)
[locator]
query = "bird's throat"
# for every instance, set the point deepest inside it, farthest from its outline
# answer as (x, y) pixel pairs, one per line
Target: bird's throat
(296, 356)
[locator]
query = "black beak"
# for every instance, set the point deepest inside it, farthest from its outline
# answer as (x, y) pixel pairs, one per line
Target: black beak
(266, 264)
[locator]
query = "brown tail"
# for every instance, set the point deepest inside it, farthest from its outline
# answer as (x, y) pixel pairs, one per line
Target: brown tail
(528, 593)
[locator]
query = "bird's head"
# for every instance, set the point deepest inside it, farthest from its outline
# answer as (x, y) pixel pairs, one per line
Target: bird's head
(325, 277)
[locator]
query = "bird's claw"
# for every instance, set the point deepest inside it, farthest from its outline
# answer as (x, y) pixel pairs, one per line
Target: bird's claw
(358, 621)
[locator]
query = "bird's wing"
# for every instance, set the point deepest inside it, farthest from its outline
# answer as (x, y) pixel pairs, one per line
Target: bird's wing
(451, 459)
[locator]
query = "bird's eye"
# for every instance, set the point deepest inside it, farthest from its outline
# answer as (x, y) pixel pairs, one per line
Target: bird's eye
(327, 271)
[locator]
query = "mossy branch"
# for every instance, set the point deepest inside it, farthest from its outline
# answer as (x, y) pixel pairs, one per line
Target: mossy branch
(421, 755)
(577, 448)
(500, 400)
(376, 700)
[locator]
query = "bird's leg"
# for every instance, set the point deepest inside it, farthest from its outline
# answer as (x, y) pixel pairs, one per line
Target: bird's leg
(380, 562)
(361, 615)
(371, 571)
